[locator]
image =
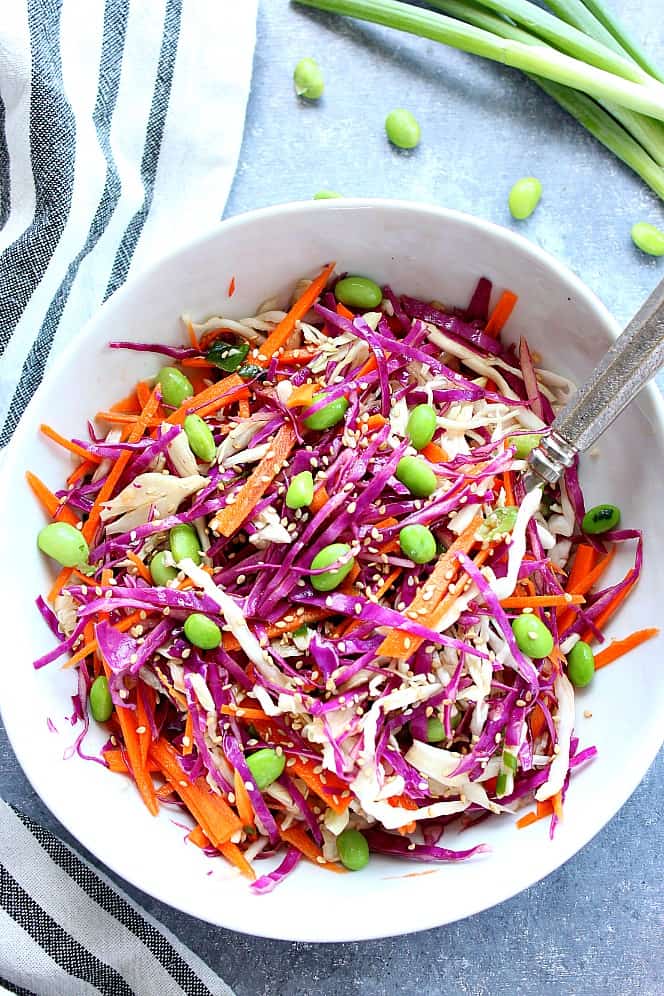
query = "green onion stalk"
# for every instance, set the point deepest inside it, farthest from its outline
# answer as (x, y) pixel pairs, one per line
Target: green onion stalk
(628, 105)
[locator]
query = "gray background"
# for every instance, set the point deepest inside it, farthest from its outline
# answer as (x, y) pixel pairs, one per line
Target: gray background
(595, 926)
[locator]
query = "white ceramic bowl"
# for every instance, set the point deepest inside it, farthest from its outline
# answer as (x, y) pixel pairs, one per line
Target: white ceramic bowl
(421, 251)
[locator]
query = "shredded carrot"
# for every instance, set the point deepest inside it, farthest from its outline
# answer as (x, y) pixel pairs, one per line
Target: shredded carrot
(234, 856)
(300, 839)
(91, 646)
(500, 313)
(232, 516)
(321, 497)
(296, 357)
(584, 561)
(368, 367)
(144, 694)
(394, 644)
(618, 648)
(344, 311)
(143, 393)
(121, 418)
(197, 837)
(231, 286)
(68, 445)
(219, 395)
(326, 785)
(373, 422)
(509, 490)
(242, 801)
(302, 396)
(581, 585)
(197, 363)
(115, 760)
(279, 336)
(188, 735)
(610, 610)
(59, 583)
(140, 566)
(243, 409)
(139, 769)
(434, 453)
(557, 804)
(215, 818)
(48, 501)
(541, 601)
(537, 722)
(543, 810)
(193, 338)
(128, 405)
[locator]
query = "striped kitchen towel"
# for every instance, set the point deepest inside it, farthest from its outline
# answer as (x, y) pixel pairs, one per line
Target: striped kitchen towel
(120, 128)
(66, 930)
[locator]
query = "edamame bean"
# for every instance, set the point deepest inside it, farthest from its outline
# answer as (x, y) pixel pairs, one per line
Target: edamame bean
(353, 849)
(435, 730)
(418, 543)
(532, 636)
(201, 631)
(402, 129)
(101, 703)
(328, 415)
(200, 438)
(580, 665)
(184, 542)
(64, 543)
(600, 519)
(415, 475)
(162, 572)
(523, 445)
(228, 356)
(308, 79)
(324, 558)
(266, 766)
(648, 238)
(499, 522)
(358, 292)
(175, 387)
(300, 492)
(524, 197)
(326, 195)
(421, 425)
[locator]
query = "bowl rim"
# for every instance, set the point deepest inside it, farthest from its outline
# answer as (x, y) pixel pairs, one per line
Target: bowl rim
(422, 918)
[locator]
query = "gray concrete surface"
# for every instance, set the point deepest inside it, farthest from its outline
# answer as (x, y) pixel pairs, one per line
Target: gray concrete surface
(595, 926)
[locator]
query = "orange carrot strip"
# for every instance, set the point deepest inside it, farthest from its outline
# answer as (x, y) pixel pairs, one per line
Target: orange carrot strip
(48, 501)
(373, 422)
(394, 643)
(302, 396)
(128, 405)
(321, 497)
(59, 583)
(143, 393)
(116, 762)
(537, 722)
(344, 311)
(330, 790)
(501, 313)
(132, 744)
(296, 357)
(91, 646)
(196, 362)
(434, 453)
(121, 418)
(557, 804)
(541, 601)
(142, 723)
(609, 611)
(193, 338)
(67, 444)
(243, 409)
(300, 839)
(535, 816)
(509, 490)
(78, 473)
(279, 336)
(232, 516)
(584, 561)
(197, 837)
(215, 818)
(234, 855)
(581, 586)
(140, 566)
(231, 286)
(242, 801)
(209, 396)
(617, 648)
(242, 712)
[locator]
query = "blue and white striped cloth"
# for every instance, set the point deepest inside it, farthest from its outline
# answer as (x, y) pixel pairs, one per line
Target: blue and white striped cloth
(120, 128)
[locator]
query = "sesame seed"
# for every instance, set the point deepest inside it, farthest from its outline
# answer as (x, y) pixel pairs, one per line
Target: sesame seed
(231, 798)
(250, 787)
(186, 741)
(587, 714)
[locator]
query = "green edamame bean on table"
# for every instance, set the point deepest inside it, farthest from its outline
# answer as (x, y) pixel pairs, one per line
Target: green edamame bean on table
(580, 664)
(403, 129)
(524, 197)
(308, 79)
(358, 292)
(175, 387)
(601, 519)
(648, 238)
